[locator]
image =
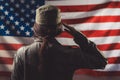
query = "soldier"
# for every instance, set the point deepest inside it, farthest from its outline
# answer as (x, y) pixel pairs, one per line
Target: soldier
(46, 58)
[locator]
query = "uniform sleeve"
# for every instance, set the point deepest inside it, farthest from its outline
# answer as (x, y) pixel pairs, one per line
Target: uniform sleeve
(18, 66)
(92, 57)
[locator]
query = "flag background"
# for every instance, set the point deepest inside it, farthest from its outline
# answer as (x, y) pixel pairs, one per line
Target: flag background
(99, 20)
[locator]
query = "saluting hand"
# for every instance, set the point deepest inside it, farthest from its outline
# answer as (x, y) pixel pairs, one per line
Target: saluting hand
(79, 38)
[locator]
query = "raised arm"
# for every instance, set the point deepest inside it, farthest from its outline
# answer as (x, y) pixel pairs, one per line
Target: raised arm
(91, 56)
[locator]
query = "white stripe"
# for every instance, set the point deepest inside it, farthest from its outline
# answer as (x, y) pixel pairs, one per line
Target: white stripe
(77, 2)
(6, 67)
(107, 54)
(101, 12)
(7, 53)
(90, 77)
(16, 40)
(105, 40)
(97, 40)
(111, 53)
(65, 41)
(110, 67)
(97, 26)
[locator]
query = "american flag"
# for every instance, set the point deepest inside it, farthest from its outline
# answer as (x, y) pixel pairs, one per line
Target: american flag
(16, 21)
(99, 20)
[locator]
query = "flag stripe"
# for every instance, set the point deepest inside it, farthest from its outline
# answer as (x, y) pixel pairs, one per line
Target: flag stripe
(114, 60)
(109, 67)
(4, 60)
(77, 2)
(88, 77)
(101, 12)
(107, 54)
(97, 40)
(102, 47)
(95, 33)
(78, 8)
(10, 46)
(109, 46)
(93, 19)
(96, 26)
(15, 40)
(80, 72)
(106, 72)
(111, 60)
(6, 67)
(7, 53)
(97, 73)
(5, 73)
(111, 53)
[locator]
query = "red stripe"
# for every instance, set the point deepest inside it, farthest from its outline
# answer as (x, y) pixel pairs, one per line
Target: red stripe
(79, 72)
(10, 46)
(114, 60)
(93, 19)
(102, 33)
(96, 73)
(111, 60)
(106, 47)
(94, 33)
(102, 47)
(5, 73)
(112, 46)
(4, 60)
(77, 8)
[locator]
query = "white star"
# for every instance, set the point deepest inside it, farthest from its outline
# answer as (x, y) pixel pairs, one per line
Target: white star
(6, 12)
(22, 1)
(18, 32)
(32, 2)
(2, 17)
(27, 24)
(2, 27)
(22, 10)
(27, 6)
(17, 5)
(22, 19)
(13, 27)
(12, 0)
(7, 22)
(32, 20)
(27, 33)
(7, 32)
(11, 9)
(27, 15)
(6, 4)
(16, 14)
(32, 11)
(22, 28)
(32, 28)
(11, 17)
(37, 6)
(1, 7)
(16, 23)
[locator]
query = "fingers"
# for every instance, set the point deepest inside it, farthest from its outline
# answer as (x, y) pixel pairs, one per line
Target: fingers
(68, 31)
(66, 26)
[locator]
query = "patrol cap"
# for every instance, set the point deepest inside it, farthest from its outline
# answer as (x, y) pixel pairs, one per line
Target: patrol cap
(48, 15)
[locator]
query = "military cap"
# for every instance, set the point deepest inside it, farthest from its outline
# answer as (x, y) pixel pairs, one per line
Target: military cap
(48, 15)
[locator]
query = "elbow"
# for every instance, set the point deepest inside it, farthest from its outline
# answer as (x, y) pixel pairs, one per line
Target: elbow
(103, 64)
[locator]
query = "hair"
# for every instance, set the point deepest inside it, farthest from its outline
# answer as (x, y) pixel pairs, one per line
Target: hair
(46, 30)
